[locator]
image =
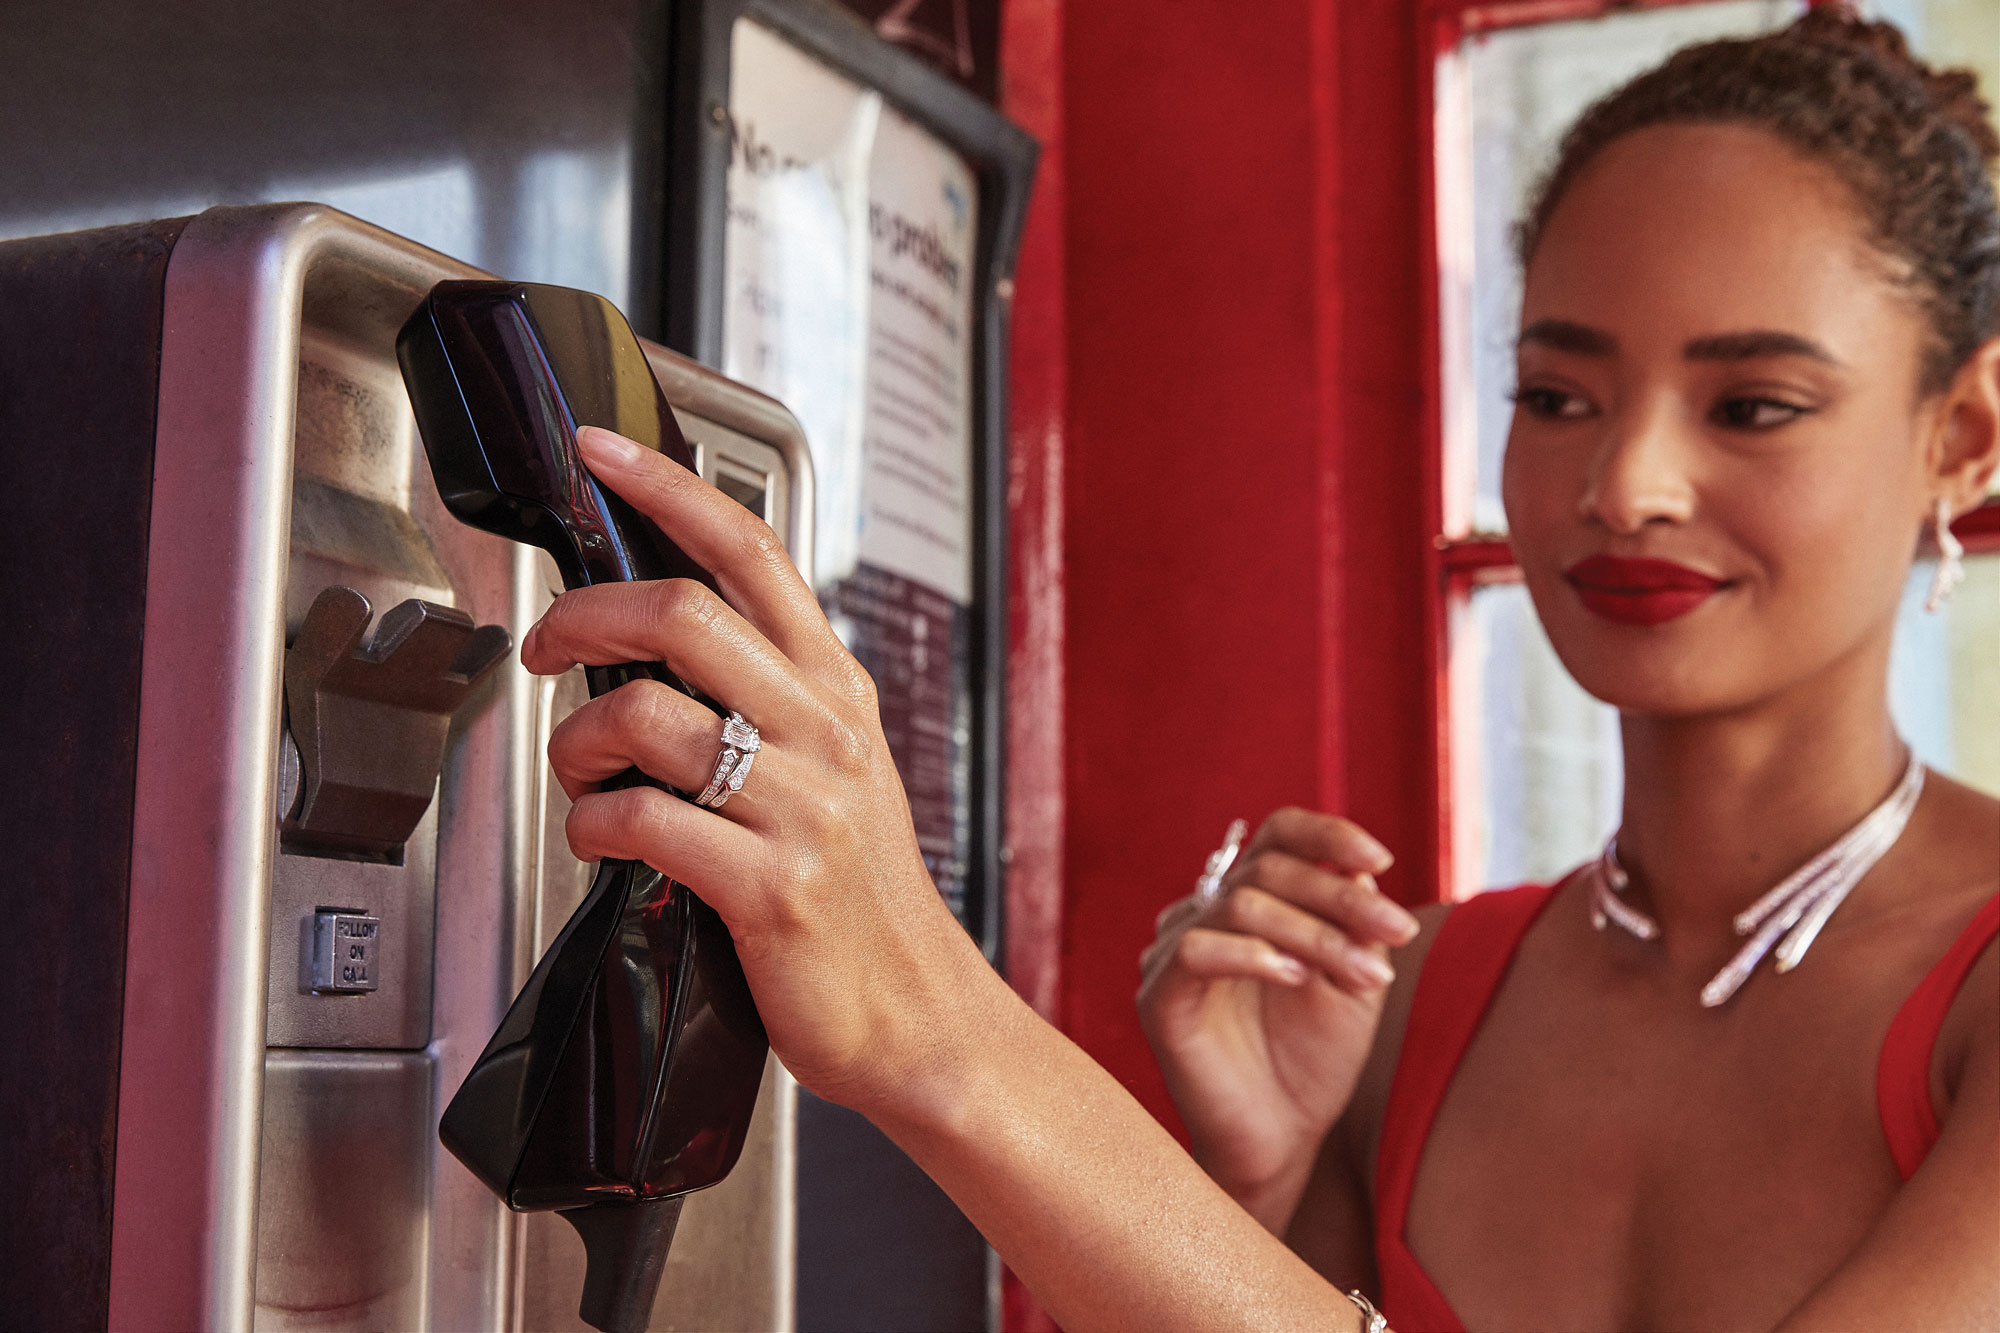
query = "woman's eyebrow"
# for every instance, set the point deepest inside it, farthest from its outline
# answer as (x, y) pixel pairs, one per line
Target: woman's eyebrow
(1753, 344)
(1568, 336)
(1565, 335)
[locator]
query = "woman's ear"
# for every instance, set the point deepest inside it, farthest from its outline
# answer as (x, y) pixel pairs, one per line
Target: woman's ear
(1966, 449)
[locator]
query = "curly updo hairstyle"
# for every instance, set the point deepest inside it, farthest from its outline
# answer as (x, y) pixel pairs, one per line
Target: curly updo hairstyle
(1913, 144)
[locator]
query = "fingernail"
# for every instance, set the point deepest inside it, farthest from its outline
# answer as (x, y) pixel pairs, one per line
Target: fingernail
(602, 446)
(1293, 970)
(1379, 858)
(1374, 967)
(1391, 920)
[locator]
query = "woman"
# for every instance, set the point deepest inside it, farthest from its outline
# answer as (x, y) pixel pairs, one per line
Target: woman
(1760, 353)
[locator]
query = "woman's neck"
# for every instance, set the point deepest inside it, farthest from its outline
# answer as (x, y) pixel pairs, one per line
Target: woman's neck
(1720, 807)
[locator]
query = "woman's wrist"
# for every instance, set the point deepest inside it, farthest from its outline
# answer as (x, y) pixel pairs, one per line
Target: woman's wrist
(947, 1017)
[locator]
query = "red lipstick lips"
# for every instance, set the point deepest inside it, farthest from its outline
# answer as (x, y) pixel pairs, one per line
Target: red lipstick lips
(1639, 592)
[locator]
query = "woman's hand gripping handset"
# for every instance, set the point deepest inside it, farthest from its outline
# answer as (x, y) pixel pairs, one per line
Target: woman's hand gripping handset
(814, 863)
(1261, 1001)
(871, 993)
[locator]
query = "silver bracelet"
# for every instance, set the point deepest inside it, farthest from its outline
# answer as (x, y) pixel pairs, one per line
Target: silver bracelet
(1372, 1319)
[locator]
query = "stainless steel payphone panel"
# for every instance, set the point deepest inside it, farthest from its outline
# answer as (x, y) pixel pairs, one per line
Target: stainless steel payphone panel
(294, 1021)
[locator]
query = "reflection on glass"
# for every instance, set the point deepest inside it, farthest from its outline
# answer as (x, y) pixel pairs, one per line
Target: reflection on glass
(1503, 101)
(1536, 760)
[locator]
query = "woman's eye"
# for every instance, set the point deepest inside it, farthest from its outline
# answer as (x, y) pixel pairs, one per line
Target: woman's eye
(1552, 404)
(1756, 413)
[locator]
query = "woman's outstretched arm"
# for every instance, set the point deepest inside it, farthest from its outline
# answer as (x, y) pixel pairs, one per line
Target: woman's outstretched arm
(1095, 1206)
(872, 994)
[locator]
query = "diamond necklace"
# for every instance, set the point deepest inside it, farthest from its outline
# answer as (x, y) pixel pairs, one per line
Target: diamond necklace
(1796, 909)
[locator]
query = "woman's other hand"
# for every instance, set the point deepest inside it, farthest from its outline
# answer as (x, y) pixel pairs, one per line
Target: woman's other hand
(858, 968)
(1261, 1003)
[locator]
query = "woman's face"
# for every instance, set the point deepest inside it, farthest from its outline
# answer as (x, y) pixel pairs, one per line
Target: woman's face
(1716, 472)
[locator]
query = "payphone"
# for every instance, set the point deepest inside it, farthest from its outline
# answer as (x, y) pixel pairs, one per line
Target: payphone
(344, 853)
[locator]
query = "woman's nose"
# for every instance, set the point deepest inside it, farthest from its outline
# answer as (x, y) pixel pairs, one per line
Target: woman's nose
(1639, 474)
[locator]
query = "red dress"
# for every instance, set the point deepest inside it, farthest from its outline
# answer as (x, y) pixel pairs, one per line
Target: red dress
(1461, 973)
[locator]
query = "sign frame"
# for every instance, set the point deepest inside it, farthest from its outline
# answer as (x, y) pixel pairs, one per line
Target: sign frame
(689, 213)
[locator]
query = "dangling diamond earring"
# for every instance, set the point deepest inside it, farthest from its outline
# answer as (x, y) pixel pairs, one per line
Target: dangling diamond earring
(1951, 564)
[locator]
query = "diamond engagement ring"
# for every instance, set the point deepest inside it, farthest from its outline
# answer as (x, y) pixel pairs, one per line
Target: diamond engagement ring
(740, 743)
(1209, 887)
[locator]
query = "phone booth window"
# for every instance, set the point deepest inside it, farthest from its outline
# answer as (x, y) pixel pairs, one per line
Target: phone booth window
(1533, 780)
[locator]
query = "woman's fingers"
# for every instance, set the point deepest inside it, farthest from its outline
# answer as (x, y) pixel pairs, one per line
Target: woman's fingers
(1178, 911)
(1216, 955)
(686, 626)
(1348, 963)
(1312, 836)
(1275, 929)
(660, 731)
(746, 557)
(711, 855)
(1352, 902)
(1337, 924)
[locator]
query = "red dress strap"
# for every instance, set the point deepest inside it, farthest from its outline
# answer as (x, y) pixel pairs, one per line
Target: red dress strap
(1903, 1075)
(1464, 968)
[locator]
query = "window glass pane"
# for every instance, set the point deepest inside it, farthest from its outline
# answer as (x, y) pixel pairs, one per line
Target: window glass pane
(1944, 680)
(1535, 760)
(1503, 101)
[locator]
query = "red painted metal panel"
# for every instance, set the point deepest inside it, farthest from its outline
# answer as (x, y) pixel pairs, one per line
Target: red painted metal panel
(1191, 529)
(1470, 16)
(1224, 488)
(1392, 629)
(1242, 557)
(1467, 564)
(1330, 199)
(1031, 95)
(1979, 529)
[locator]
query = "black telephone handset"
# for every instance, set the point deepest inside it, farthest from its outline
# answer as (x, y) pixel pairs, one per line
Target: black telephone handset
(624, 1075)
